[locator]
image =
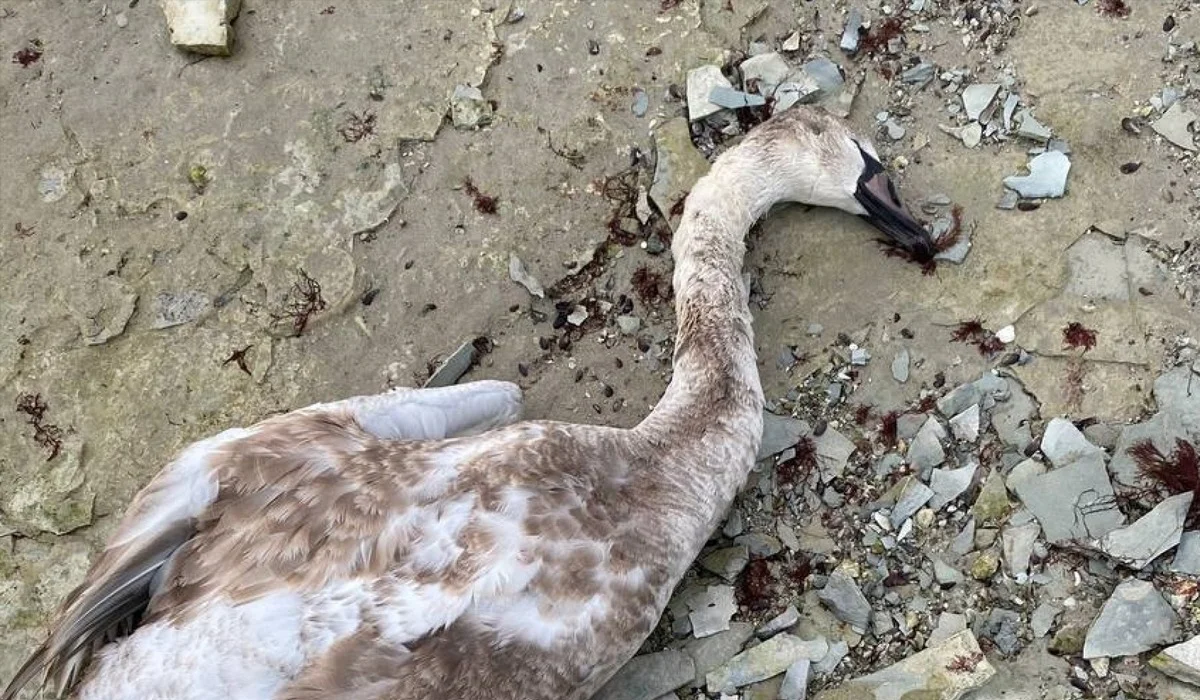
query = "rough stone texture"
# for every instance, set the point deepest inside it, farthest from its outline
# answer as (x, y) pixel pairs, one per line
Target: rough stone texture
(201, 26)
(1073, 502)
(1181, 661)
(929, 674)
(1187, 556)
(1150, 535)
(707, 653)
(768, 659)
(1133, 620)
(845, 599)
(649, 676)
(1062, 443)
(678, 167)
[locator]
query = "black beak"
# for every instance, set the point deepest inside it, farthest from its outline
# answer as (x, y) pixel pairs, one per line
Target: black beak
(878, 196)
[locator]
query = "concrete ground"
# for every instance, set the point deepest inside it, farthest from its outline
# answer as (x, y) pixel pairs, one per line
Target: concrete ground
(142, 186)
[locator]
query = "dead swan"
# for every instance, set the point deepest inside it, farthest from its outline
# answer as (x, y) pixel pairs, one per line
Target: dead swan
(423, 544)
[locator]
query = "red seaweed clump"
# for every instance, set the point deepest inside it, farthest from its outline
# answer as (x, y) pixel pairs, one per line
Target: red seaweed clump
(972, 332)
(796, 470)
(1171, 475)
(1112, 8)
(1076, 336)
(756, 587)
(484, 203)
(877, 39)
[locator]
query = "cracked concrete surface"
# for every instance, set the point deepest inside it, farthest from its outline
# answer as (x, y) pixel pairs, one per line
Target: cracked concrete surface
(133, 170)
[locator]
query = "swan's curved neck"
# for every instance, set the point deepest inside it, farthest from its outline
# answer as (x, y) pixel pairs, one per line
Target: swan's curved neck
(709, 420)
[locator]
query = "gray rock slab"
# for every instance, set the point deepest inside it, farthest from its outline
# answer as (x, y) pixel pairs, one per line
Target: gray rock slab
(948, 625)
(710, 652)
(920, 73)
(729, 98)
(846, 601)
(1062, 443)
(854, 22)
(1018, 543)
(649, 676)
(965, 425)
(768, 659)
(1026, 469)
(710, 610)
(784, 620)
(1047, 177)
(925, 451)
(913, 495)
(964, 541)
(795, 681)
(900, 365)
(949, 484)
(454, 366)
(833, 450)
(780, 433)
(1011, 418)
(1134, 619)
(827, 76)
(1073, 502)
(518, 273)
(1187, 556)
(727, 562)
(1042, 619)
(945, 574)
(1181, 661)
(976, 98)
(764, 73)
(936, 672)
(1032, 129)
(700, 84)
(1174, 126)
(828, 663)
(1178, 393)
(1150, 535)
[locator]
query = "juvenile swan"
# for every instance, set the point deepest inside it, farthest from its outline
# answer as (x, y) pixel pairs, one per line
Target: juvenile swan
(422, 543)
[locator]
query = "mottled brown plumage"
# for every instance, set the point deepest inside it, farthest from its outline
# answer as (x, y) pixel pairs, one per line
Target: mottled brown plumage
(423, 544)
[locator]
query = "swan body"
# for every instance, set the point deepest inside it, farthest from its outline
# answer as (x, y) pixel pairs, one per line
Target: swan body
(426, 544)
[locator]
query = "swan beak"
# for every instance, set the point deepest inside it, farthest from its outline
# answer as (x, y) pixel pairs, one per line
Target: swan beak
(885, 212)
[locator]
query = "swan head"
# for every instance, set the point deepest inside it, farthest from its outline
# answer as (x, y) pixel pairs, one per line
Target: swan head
(811, 157)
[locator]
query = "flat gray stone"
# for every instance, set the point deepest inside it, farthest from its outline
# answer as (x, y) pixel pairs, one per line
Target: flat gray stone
(1011, 418)
(1181, 661)
(854, 22)
(1047, 177)
(828, 663)
(784, 620)
(710, 610)
(761, 662)
(764, 73)
(1150, 535)
(937, 672)
(1187, 556)
(846, 601)
(1133, 620)
(759, 544)
(1174, 125)
(925, 451)
(518, 273)
(949, 484)
(700, 84)
(1042, 619)
(833, 451)
(1018, 543)
(1073, 502)
(1178, 393)
(710, 652)
(900, 365)
(453, 367)
(945, 574)
(971, 134)
(1062, 443)
(729, 98)
(1026, 469)
(976, 98)
(795, 681)
(965, 425)
(1032, 129)
(921, 73)
(912, 497)
(780, 433)
(964, 541)
(948, 625)
(727, 562)
(827, 76)
(649, 676)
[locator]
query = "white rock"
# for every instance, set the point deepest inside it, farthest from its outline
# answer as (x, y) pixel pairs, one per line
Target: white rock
(201, 26)
(1007, 334)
